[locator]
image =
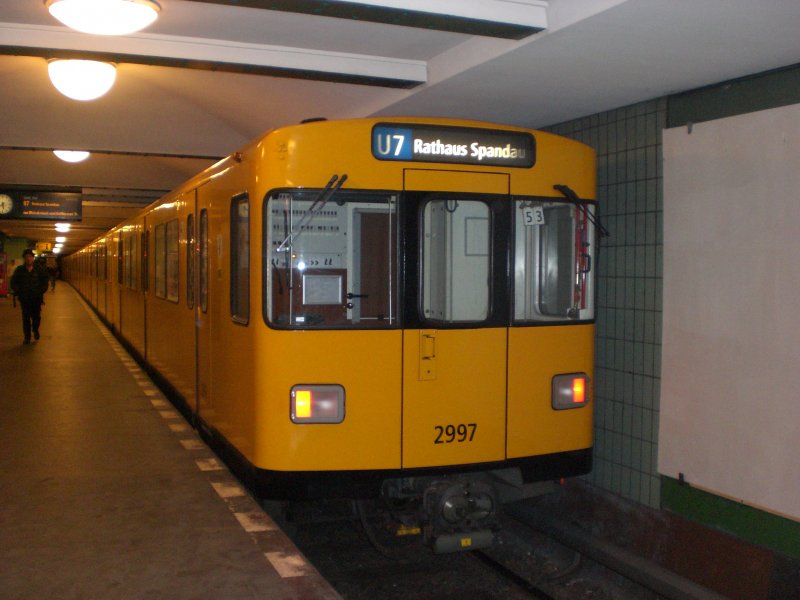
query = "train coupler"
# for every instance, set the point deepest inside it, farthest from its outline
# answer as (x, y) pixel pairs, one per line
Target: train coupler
(460, 514)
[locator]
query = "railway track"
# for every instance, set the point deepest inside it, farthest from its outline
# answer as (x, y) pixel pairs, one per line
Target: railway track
(523, 564)
(505, 571)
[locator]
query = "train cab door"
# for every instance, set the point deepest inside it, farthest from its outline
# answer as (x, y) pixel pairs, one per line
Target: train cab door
(455, 332)
(202, 286)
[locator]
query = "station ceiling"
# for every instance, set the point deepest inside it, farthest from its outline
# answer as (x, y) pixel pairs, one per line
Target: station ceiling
(209, 76)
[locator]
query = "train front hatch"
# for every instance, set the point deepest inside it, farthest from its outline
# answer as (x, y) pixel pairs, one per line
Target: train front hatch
(454, 364)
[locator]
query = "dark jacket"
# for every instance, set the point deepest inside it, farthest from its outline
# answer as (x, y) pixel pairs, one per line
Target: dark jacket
(29, 286)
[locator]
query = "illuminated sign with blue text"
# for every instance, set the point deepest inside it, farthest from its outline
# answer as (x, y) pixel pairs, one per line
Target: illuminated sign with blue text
(462, 145)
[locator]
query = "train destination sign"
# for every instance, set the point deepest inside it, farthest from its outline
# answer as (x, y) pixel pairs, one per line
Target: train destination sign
(52, 206)
(462, 145)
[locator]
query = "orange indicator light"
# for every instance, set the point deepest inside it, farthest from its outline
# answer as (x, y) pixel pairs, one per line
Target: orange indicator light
(570, 390)
(302, 404)
(313, 404)
(578, 390)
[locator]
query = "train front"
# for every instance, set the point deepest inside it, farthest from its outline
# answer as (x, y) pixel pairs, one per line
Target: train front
(428, 307)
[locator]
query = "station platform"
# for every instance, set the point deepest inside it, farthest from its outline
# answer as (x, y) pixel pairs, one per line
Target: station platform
(105, 490)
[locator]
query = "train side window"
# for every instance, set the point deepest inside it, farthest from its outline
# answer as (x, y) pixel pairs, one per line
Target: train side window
(553, 261)
(456, 260)
(330, 262)
(203, 260)
(240, 259)
(173, 261)
(190, 242)
(144, 240)
(161, 261)
(129, 261)
(120, 255)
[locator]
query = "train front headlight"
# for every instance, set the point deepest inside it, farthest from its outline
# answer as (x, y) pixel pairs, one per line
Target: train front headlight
(317, 404)
(570, 390)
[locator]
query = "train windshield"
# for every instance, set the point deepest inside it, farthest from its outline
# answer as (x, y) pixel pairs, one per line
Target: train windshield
(330, 264)
(553, 261)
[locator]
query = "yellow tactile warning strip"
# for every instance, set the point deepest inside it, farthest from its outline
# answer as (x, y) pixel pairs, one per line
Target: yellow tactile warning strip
(279, 552)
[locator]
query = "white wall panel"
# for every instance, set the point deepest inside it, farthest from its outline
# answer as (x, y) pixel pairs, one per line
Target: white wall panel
(730, 387)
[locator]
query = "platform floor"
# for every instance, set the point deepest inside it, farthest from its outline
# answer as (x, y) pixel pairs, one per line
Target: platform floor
(106, 492)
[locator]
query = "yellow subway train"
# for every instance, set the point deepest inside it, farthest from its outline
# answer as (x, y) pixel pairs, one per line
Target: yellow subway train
(387, 307)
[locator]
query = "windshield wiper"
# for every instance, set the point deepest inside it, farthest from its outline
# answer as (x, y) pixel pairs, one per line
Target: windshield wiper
(319, 203)
(570, 195)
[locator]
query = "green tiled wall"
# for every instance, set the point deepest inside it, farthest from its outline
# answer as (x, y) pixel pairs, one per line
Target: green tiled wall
(628, 345)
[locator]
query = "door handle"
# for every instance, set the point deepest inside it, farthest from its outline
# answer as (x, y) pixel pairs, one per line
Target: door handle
(427, 348)
(427, 355)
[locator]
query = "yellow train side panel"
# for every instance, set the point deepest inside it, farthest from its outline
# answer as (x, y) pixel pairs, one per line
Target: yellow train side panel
(132, 311)
(365, 363)
(170, 324)
(227, 360)
(535, 355)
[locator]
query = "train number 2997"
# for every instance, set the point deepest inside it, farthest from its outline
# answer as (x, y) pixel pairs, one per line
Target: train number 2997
(447, 434)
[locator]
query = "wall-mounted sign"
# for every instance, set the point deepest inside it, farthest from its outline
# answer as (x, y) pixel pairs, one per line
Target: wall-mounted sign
(462, 145)
(51, 206)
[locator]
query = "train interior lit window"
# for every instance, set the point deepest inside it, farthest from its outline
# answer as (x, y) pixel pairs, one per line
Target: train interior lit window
(331, 263)
(161, 261)
(456, 260)
(553, 261)
(172, 261)
(202, 235)
(240, 259)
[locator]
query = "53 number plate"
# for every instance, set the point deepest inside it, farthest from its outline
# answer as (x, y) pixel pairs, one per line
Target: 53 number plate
(448, 434)
(533, 215)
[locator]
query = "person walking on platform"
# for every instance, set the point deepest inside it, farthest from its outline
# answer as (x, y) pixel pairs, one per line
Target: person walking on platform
(52, 273)
(29, 283)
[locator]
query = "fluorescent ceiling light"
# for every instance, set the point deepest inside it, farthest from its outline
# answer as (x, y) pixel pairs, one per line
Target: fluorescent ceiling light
(82, 79)
(71, 156)
(63, 227)
(57, 250)
(105, 17)
(61, 239)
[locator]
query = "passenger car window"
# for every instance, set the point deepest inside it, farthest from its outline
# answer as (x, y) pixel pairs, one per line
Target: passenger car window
(240, 259)
(172, 261)
(203, 262)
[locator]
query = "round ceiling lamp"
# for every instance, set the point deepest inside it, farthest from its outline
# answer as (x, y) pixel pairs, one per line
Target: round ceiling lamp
(71, 156)
(82, 79)
(105, 17)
